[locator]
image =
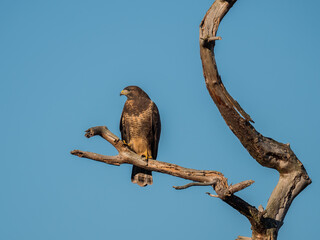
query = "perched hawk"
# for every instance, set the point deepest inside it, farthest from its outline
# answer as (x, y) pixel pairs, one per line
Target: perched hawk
(140, 128)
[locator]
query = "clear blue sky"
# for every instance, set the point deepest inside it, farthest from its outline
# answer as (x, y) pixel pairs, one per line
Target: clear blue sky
(62, 67)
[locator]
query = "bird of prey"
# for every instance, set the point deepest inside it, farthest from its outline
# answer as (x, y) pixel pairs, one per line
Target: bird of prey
(140, 128)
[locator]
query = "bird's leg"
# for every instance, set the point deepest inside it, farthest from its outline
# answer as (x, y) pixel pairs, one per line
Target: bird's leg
(146, 155)
(129, 145)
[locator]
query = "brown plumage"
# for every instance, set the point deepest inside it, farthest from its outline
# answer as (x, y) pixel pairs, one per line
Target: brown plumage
(140, 128)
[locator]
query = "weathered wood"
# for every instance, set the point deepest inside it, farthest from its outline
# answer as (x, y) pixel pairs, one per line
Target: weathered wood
(127, 156)
(266, 151)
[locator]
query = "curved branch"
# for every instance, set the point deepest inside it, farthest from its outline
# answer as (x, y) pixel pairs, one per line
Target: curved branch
(266, 151)
(127, 156)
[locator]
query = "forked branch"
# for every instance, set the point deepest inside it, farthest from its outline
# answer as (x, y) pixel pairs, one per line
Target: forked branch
(266, 151)
(127, 156)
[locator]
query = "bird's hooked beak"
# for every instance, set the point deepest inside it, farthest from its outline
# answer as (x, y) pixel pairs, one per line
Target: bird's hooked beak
(124, 92)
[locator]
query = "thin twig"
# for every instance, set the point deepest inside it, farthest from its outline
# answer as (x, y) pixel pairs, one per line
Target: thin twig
(195, 184)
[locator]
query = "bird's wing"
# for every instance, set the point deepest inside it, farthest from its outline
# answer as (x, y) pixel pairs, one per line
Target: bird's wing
(156, 130)
(123, 127)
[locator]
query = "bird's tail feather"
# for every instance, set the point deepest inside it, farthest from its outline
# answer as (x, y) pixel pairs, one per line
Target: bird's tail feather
(141, 176)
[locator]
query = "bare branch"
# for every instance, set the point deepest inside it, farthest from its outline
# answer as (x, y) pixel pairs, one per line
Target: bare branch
(113, 160)
(104, 132)
(200, 177)
(239, 186)
(226, 192)
(268, 152)
(212, 195)
(127, 156)
(195, 184)
(207, 40)
(243, 238)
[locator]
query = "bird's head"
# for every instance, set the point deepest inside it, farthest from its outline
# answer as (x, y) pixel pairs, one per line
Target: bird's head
(133, 92)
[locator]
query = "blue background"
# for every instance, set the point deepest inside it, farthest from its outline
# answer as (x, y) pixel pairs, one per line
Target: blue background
(62, 67)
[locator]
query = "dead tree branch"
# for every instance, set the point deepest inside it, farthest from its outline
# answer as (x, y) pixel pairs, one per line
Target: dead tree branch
(266, 151)
(195, 184)
(127, 156)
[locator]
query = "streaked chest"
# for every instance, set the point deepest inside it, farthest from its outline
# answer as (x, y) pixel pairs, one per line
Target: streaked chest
(138, 118)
